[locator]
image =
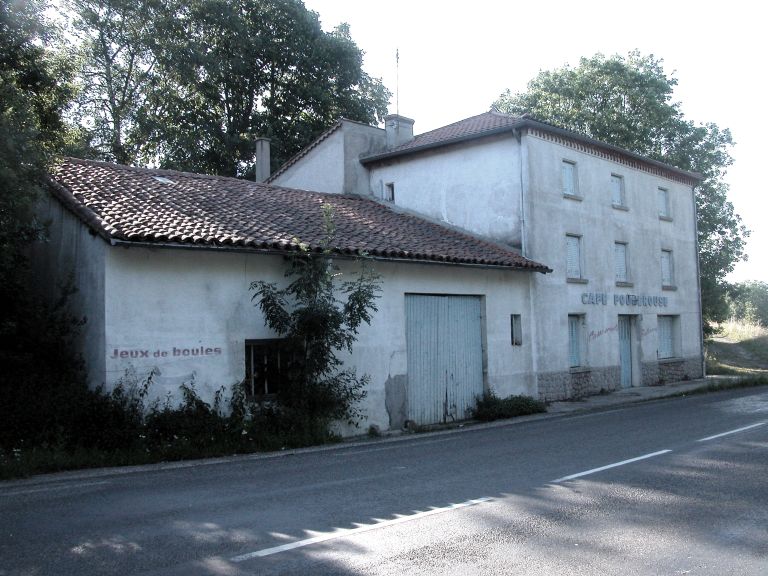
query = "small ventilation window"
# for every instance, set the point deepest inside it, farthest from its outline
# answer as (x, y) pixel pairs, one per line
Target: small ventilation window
(163, 180)
(389, 192)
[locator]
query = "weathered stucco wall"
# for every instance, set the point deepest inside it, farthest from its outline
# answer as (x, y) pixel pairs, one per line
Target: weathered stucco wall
(187, 313)
(474, 186)
(333, 165)
(321, 169)
(72, 255)
(551, 216)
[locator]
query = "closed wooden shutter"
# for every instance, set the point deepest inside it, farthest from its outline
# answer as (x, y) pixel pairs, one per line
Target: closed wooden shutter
(617, 190)
(573, 249)
(574, 340)
(569, 178)
(620, 261)
(666, 342)
(663, 200)
(666, 268)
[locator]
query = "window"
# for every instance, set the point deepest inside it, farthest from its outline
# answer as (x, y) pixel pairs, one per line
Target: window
(617, 191)
(620, 262)
(389, 192)
(573, 257)
(667, 271)
(663, 202)
(517, 331)
(265, 366)
(669, 336)
(575, 340)
(570, 180)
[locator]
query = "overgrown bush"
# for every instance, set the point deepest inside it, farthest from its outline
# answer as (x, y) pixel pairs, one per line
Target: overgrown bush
(491, 407)
(316, 324)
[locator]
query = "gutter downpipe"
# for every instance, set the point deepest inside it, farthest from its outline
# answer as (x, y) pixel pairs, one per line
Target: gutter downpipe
(523, 143)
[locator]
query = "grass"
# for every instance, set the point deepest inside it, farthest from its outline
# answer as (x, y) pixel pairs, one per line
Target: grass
(743, 382)
(739, 349)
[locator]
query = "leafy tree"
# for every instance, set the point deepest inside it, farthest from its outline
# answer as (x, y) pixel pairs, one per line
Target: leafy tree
(33, 96)
(191, 85)
(317, 325)
(627, 102)
(749, 301)
(35, 352)
(116, 66)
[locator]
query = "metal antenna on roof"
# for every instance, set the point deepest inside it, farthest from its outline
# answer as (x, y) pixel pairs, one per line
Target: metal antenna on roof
(397, 81)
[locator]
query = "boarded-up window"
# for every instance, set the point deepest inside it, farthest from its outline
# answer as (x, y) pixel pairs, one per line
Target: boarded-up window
(573, 256)
(570, 187)
(620, 262)
(667, 276)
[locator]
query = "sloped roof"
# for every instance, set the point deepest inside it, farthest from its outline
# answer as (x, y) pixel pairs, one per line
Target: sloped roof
(495, 122)
(163, 207)
(484, 124)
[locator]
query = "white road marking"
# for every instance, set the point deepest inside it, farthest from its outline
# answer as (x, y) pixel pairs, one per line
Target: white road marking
(587, 472)
(731, 432)
(343, 533)
(50, 488)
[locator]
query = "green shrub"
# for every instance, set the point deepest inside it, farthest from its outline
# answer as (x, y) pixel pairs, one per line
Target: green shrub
(491, 407)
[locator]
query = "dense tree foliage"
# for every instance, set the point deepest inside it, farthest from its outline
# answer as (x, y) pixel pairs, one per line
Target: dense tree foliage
(191, 85)
(38, 364)
(628, 102)
(748, 301)
(116, 64)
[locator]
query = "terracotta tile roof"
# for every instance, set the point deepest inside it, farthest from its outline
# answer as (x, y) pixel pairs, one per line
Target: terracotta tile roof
(162, 206)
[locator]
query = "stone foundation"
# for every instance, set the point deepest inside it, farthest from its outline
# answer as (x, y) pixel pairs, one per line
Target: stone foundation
(575, 384)
(572, 385)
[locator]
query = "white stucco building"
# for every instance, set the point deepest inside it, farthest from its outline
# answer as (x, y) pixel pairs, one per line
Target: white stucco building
(622, 306)
(515, 257)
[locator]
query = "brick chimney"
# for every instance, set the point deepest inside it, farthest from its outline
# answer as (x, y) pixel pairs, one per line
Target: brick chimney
(399, 130)
(262, 159)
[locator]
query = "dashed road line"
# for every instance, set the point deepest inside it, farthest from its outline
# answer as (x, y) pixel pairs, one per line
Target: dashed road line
(731, 432)
(614, 465)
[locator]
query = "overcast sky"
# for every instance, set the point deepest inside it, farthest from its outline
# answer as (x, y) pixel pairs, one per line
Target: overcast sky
(456, 58)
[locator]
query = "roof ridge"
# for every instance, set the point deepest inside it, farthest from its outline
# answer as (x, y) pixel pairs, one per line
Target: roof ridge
(152, 171)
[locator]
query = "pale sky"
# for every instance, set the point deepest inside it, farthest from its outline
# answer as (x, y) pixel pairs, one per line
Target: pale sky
(457, 57)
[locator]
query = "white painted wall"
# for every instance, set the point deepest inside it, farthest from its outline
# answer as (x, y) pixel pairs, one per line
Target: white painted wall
(551, 216)
(333, 165)
(164, 301)
(475, 186)
(72, 254)
(320, 170)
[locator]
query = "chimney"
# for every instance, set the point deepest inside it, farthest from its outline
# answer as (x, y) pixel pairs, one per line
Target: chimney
(262, 159)
(399, 130)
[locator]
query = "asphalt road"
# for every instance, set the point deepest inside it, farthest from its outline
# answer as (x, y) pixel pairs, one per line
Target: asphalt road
(652, 488)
